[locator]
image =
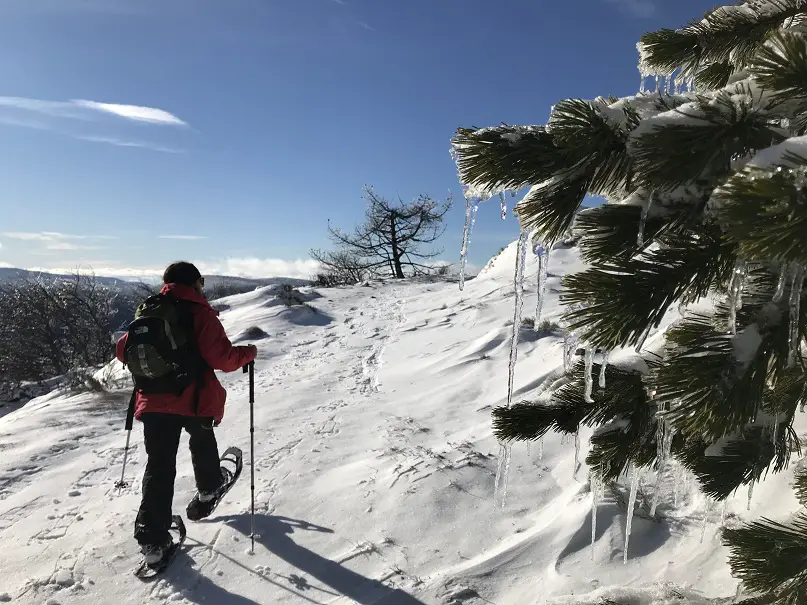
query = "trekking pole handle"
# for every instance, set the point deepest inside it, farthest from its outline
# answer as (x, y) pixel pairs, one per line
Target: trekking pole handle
(252, 382)
(250, 367)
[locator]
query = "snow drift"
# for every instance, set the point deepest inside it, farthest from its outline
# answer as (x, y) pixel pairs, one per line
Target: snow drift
(375, 469)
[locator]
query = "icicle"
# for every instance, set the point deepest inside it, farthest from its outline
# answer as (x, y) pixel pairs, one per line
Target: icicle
(518, 284)
(634, 488)
(577, 464)
(642, 87)
(471, 207)
(542, 252)
(603, 365)
(795, 313)
(661, 435)
(569, 349)
(725, 513)
(643, 220)
(736, 294)
(589, 380)
(776, 429)
(643, 339)
(780, 286)
(503, 201)
(667, 434)
(541, 448)
(705, 520)
(676, 486)
(595, 498)
(669, 84)
(661, 426)
(502, 473)
(750, 494)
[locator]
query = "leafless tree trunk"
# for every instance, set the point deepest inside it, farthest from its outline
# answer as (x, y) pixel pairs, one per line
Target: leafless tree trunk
(392, 236)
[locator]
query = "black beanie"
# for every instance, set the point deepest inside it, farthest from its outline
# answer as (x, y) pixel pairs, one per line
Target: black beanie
(181, 273)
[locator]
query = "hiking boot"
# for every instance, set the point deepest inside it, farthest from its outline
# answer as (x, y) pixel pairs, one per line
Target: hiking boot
(204, 503)
(226, 477)
(154, 553)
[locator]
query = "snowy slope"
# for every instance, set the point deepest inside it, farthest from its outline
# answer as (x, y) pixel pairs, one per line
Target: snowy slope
(375, 470)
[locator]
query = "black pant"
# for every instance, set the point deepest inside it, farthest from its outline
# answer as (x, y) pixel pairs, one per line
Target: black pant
(162, 433)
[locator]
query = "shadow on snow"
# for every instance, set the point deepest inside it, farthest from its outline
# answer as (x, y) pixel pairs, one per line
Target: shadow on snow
(274, 534)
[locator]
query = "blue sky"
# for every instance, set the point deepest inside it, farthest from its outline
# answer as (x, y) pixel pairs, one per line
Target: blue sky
(227, 132)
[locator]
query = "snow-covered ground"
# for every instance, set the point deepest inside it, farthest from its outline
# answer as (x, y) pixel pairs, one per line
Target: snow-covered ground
(375, 469)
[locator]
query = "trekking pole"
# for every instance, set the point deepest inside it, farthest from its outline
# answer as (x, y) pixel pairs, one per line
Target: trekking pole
(250, 367)
(129, 424)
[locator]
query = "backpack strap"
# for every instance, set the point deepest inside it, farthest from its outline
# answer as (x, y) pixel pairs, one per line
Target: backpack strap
(187, 306)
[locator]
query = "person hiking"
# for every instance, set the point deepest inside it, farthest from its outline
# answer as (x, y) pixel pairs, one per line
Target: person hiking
(165, 409)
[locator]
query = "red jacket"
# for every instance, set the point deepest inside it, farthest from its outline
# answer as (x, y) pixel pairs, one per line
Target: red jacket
(217, 351)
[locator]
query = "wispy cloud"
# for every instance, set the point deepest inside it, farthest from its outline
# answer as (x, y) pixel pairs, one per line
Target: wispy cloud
(43, 236)
(52, 240)
(83, 109)
(183, 237)
(101, 269)
(52, 108)
(133, 112)
(637, 8)
(124, 143)
(58, 245)
(366, 26)
(57, 116)
(25, 123)
(5, 265)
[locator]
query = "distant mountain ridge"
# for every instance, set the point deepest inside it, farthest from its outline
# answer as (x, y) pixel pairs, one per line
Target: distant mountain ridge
(14, 274)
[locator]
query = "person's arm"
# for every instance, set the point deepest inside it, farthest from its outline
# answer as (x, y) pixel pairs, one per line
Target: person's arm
(216, 349)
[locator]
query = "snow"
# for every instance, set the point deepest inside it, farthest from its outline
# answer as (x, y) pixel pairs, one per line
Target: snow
(375, 466)
(688, 114)
(771, 157)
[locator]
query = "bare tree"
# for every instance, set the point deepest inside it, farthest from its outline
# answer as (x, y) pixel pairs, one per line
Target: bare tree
(339, 268)
(143, 289)
(52, 328)
(390, 239)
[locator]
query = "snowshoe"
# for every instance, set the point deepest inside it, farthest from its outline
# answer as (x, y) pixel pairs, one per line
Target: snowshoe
(146, 570)
(200, 508)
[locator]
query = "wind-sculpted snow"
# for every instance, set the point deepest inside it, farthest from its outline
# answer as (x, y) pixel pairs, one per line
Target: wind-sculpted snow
(375, 468)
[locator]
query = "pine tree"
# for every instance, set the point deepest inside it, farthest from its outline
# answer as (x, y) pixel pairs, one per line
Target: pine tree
(705, 176)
